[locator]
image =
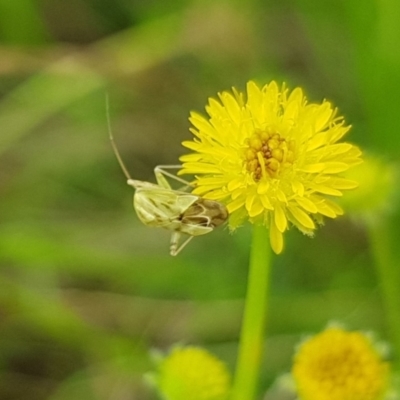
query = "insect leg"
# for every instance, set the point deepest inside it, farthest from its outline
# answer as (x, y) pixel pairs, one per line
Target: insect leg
(161, 174)
(113, 144)
(174, 249)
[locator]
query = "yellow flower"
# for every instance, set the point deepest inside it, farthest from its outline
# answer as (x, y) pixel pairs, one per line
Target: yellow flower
(271, 157)
(193, 373)
(340, 365)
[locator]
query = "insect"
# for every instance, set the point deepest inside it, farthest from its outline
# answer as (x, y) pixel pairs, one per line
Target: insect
(181, 212)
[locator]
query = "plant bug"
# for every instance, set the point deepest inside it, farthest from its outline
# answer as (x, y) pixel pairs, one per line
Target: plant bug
(159, 205)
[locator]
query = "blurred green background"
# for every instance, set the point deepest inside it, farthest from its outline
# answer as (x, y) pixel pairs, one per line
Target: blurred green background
(86, 291)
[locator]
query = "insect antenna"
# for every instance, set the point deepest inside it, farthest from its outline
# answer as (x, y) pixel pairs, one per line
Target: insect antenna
(113, 144)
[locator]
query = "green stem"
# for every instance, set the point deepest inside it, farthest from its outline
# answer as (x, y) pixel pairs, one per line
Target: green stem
(389, 279)
(252, 336)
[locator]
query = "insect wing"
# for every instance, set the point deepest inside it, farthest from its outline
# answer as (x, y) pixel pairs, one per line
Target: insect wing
(203, 216)
(159, 207)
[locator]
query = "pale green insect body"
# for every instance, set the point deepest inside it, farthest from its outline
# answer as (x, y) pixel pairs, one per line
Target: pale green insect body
(178, 211)
(158, 205)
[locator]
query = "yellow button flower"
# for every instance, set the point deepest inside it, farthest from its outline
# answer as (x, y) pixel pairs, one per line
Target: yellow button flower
(340, 365)
(192, 373)
(271, 157)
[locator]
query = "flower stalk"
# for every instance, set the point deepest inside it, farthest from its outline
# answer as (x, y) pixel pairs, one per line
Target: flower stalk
(252, 336)
(388, 276)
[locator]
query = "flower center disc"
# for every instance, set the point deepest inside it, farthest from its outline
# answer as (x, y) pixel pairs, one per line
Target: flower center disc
(267, 153)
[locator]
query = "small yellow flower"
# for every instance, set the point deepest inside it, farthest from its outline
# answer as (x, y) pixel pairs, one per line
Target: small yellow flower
(340, 365)
(193, 373)
(271, 157)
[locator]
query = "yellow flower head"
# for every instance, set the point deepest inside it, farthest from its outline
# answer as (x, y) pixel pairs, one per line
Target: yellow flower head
(192, 373)
(271, 157)
(340, 365)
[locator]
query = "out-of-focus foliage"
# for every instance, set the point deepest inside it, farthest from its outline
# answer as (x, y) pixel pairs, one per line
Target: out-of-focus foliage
(86, 290)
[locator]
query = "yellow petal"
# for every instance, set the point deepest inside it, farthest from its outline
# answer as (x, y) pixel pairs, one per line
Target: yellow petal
(213, 180)
(352, 161)
(326, 190)
(266, 202)
(296, 96)
(275, 238)
(237, 192)
(339, 132)
(324, 114)
(215, 109)
(196, 146)
(272, 91)
(254, 95)
(210, 193)
(298, 188)
(235, 205)
(312, 168)
(280, 218)
(301, 216)
(316, 141)
(343, 184)
(334, 207)
(256, 209)
(263, 187)
(307, 204)
(291, 112)
(204, 128)
(231, 106)
(339, 148)
(281, 196)
(190, 157)
(325, 209)
(202, 168)
(235, 184)
(249, 201)
(334, 167)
